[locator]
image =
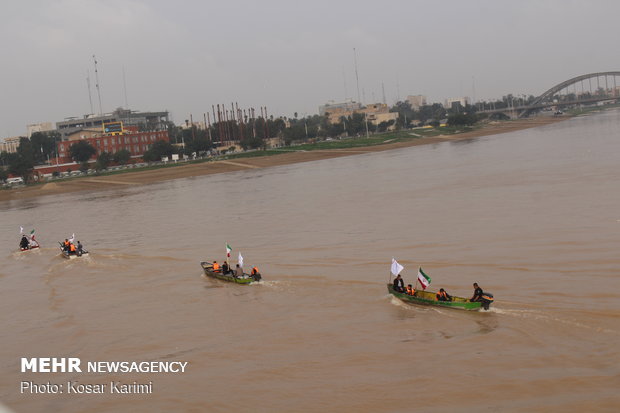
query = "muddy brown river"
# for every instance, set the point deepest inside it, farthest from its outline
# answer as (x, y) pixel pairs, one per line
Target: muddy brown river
(532, 216)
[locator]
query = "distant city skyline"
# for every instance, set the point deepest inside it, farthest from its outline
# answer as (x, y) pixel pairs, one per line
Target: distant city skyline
(186, 56)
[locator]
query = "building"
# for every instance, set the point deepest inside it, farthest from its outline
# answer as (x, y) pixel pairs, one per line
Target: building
(332, 107)
(451, 102)
(10, 145)
(40, 127)
(146, 121)
(416, 101)
(375, 113)
(129, 138)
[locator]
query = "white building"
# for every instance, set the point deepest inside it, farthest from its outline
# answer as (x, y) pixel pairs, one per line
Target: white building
(40, 127)
(346, 106)
(463, 101)
(10, 144)
(416, 101)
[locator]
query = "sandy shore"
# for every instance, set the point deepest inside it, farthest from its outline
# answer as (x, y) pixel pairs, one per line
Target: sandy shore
(207, 168)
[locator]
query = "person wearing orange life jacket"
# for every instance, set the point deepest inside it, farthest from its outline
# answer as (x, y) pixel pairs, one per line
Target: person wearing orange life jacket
(442, 295)
(410, 290)
(66, 245)
(72, 249)
(255, 274)
(216, 266)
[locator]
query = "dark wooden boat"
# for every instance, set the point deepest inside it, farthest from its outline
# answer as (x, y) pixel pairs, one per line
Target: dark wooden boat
(246, 279)
(430, 298)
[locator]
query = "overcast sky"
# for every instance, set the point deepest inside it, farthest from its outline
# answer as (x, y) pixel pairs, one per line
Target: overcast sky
(291, 56)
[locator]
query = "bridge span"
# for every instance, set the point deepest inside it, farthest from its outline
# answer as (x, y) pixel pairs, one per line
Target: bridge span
(571, 92)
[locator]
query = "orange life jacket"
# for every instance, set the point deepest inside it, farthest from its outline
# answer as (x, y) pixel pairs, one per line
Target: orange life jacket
(216, 266)
(72, 247)
(442, 294)
(254, 270)
(410, 291)
(67, 243)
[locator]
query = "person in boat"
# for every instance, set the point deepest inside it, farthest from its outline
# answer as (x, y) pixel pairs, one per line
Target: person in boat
(24, 244)
(477, 293)
(80, 249)
(255, 273)
(216, 266)
(72, 249)
(410, 290)
(442, 295)
(485, 298)
(238, 271)
(399, 284)
(65, 245)
(225, 268)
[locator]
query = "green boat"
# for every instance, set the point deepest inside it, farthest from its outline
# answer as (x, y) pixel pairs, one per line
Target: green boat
(246, 279)
(430, 298)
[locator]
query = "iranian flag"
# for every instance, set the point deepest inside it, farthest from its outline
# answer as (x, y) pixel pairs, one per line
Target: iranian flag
(228, 250)
(424, 279)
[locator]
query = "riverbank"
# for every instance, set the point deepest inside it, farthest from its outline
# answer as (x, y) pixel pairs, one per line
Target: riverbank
(273, 158)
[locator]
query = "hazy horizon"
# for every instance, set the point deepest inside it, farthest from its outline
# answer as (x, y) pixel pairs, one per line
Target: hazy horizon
(186, 56)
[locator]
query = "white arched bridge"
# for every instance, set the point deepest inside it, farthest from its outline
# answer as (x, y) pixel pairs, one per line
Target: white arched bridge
(580, 90)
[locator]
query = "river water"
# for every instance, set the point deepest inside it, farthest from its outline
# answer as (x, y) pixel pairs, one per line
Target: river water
(532, 216)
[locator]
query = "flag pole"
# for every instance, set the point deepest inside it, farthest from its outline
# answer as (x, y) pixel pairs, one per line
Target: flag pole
(415, 287)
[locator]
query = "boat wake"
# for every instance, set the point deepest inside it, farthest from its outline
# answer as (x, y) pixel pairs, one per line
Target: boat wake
(274, 284)
(540, 316)
(398, 303)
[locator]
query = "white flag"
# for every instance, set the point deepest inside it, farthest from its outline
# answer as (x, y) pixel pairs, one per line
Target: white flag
(21, 230)
(396, 267)
(240, 260)
(72, 238)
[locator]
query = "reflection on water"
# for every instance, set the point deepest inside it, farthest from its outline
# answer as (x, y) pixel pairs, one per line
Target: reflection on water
(528, 215)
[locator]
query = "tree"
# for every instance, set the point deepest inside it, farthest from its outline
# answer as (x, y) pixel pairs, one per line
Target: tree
(4, 175)
(383, 126)
(462, 119)
(82, 151)
(430, 112)
(103, 161)
(158, 150)
(22, 162)
(43, 145)
(200, 144)
(122, 156)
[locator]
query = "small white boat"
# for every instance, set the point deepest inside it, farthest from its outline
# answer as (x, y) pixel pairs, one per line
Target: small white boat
(72, 256)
